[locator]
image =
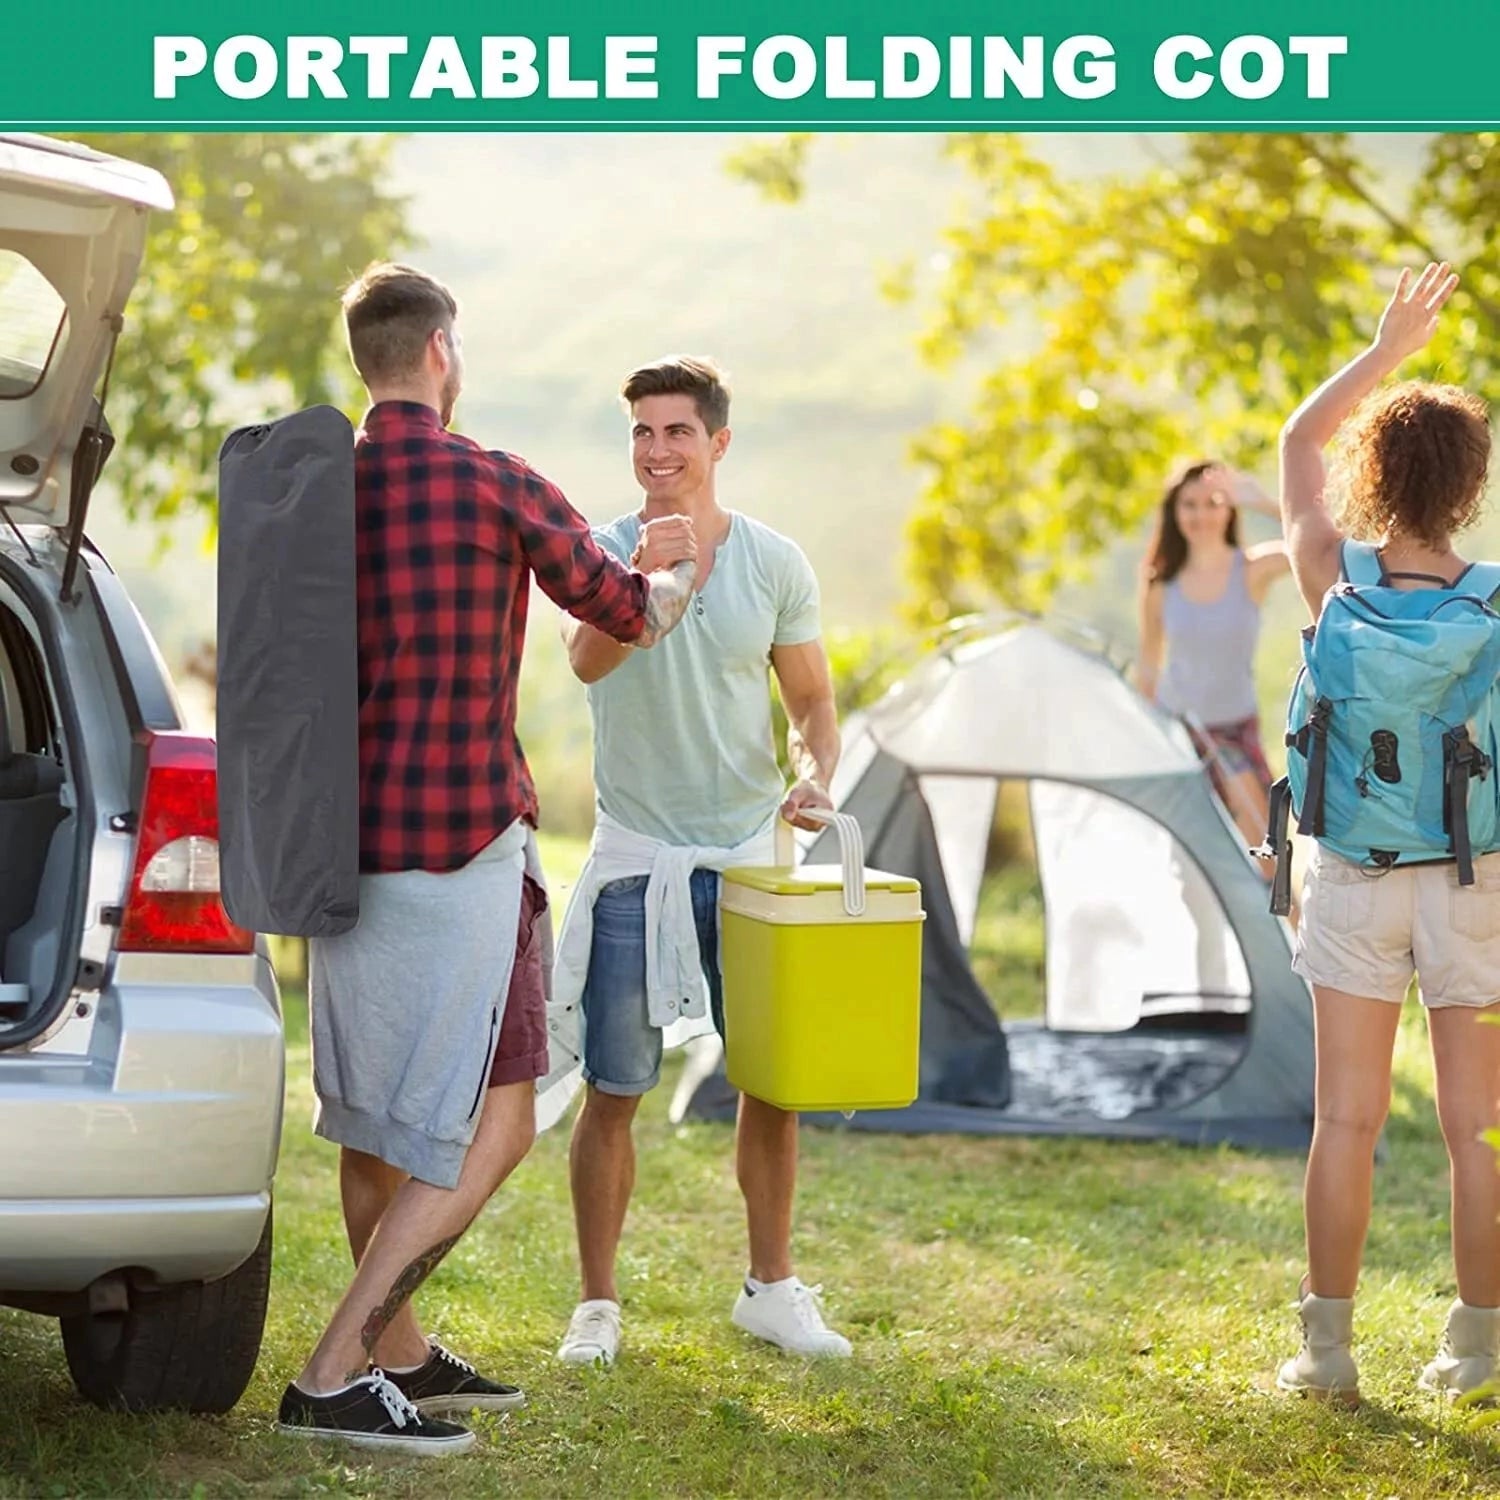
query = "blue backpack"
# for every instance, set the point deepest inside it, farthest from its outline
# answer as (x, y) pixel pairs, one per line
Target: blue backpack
(1393, 721)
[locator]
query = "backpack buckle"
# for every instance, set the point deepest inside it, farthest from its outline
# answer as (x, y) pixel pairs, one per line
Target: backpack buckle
(1462, 753)
(1311, 819)
(1462, 761)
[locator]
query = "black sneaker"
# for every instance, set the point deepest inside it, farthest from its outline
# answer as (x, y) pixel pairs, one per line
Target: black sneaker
(371, 1413)
(447, 1383)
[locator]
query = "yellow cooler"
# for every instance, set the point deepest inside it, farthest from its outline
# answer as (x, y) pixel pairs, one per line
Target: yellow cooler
(822, 970)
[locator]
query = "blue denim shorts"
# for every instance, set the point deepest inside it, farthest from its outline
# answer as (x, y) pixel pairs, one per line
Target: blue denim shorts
(621, 1048)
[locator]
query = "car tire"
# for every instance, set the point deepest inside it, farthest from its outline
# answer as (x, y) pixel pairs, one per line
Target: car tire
(190, 1347)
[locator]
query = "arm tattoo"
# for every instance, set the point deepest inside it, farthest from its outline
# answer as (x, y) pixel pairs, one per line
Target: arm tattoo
(667, 602)
(401, 1289)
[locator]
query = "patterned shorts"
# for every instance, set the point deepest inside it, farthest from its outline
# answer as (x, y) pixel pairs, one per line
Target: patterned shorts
(1233, 749)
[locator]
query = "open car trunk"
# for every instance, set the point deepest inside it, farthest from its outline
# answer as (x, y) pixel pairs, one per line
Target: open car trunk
(43, 859)
(72, 233)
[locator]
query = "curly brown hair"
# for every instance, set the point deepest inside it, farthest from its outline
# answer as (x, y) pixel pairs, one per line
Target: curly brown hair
(1413, 461)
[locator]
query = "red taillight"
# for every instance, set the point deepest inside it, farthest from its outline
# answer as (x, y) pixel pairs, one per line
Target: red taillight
(174, 905)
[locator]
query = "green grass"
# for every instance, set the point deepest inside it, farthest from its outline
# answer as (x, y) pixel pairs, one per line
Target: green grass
(1031, 1318)
(1008, 949)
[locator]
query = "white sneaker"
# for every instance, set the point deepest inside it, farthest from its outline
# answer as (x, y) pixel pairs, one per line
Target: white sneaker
(789, 1315)
(593, 1336)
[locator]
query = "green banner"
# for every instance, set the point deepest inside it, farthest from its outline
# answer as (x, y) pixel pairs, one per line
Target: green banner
(760, 64)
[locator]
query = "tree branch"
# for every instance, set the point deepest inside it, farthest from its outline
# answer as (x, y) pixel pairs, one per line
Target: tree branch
(1398, 227)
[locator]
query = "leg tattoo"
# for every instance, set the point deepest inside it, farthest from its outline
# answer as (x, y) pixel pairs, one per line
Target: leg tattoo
(401, 1289)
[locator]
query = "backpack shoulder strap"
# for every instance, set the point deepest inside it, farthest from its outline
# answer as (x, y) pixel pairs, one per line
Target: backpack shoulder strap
(1481, 579)
(1359, 562)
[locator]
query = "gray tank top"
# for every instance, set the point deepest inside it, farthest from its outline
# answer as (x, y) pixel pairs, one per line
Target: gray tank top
(1211, 651)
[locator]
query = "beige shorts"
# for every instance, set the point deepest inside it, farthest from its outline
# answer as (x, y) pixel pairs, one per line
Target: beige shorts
(1367, 934)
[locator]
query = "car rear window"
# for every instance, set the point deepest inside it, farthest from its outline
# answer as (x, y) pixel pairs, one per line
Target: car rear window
(31, 322)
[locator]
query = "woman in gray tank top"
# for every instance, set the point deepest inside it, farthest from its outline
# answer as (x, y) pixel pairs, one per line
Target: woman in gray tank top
(1201, 594)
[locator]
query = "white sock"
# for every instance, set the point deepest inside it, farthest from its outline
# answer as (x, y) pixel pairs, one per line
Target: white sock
(757, 1287)
(402, 1369)
(323, 1395)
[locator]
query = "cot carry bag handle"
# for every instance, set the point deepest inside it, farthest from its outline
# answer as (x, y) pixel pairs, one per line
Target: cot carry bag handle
(851, 852)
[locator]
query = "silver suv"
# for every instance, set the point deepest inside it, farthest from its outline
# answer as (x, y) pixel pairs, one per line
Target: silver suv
(141, 1050)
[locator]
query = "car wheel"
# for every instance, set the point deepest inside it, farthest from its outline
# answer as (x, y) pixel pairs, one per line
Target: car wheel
(190, 1347)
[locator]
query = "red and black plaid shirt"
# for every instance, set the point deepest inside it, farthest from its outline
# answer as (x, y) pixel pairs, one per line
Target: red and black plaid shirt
(446, 535)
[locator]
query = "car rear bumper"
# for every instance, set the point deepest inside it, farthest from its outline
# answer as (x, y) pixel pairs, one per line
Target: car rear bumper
(52, 1246)
(144, 1137)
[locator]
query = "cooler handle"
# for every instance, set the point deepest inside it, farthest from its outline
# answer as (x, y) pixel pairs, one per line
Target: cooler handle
(851, 852)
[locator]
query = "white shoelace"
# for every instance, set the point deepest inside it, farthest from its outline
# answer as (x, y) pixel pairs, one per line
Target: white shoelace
(451, 1358)
(808, 1302)
(397, 1407)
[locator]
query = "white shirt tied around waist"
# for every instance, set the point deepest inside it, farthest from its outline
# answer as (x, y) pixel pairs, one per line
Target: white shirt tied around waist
(676, 989)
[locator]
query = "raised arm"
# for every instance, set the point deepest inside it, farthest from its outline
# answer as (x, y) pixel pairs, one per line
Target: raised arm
(1246, 493)
(591, 653)
(1265, 563)
(579, 576)
(1312, 538)
(665, 543)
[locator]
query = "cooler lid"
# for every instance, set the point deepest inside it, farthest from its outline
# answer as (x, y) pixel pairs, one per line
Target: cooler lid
(778, 880)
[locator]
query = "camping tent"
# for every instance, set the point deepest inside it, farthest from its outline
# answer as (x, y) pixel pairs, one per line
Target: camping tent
(1170, 1006)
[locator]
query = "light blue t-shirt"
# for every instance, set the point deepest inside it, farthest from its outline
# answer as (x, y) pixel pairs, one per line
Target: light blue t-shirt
(683, 747)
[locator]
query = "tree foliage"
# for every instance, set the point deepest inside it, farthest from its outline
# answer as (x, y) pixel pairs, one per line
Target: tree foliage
(1127, 321)
(235, 313)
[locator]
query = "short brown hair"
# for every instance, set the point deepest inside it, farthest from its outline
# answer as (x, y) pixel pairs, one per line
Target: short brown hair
(1414, 460)
(390, 312)
(683, 375)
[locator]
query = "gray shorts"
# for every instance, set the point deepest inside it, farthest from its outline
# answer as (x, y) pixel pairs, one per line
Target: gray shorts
(407, 1010)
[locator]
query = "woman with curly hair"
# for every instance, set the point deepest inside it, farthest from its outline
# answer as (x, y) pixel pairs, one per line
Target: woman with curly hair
(1200, 601)
(1416, 461)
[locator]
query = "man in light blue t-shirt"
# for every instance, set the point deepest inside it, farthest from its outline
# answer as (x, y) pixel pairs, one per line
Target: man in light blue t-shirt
(684, 758)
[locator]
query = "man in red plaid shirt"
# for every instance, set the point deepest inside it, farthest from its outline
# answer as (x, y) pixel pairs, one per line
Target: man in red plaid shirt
(428, 1020)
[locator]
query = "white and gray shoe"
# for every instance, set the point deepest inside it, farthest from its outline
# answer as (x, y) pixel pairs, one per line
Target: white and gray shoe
(789, 1315)
(593, 1336)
